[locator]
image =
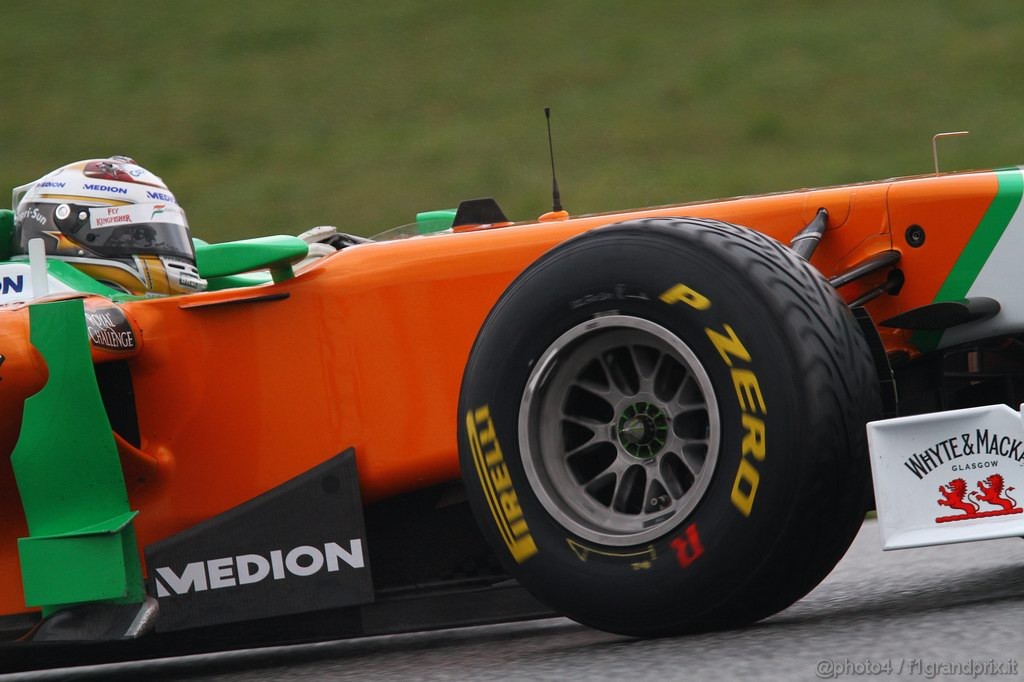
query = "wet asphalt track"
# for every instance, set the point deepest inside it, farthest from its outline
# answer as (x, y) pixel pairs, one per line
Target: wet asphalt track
(914, 608)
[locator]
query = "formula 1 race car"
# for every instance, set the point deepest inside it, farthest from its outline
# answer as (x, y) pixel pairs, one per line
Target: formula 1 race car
(652, 421)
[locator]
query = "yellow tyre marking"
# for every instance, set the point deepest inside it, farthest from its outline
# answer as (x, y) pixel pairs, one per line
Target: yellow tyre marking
(680, 293)
(748, 393)
(497, 484)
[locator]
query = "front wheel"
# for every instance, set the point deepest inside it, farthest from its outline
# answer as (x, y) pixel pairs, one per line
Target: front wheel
(661, 427)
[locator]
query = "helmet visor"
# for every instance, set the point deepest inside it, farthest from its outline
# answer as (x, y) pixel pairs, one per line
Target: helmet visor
(158, 229)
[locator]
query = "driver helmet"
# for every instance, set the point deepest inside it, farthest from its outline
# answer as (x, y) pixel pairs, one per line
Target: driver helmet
(113, 220)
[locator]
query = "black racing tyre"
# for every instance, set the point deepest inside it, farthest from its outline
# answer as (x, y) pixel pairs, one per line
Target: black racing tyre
(661, 427)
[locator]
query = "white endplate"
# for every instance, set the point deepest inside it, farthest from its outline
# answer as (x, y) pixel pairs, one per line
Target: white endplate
(948, 477)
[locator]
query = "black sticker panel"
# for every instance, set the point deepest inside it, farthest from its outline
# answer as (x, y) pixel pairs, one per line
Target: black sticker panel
(299, 547)
(109, 329)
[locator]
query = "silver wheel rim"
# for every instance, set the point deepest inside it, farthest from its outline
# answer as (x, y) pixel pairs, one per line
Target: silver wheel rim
(619, 430)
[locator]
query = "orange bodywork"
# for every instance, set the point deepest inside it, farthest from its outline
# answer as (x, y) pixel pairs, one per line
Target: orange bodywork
(237, 391)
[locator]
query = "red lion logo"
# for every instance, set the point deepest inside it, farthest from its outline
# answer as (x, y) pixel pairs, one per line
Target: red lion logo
(956, 496)
(994, 493)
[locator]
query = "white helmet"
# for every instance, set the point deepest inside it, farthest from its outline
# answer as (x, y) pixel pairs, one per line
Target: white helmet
(113, 220)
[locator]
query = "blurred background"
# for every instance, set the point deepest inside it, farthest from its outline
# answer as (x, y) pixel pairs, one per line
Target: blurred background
(271, 117)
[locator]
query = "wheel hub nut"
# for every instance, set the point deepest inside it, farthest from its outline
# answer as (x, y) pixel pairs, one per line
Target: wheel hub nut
(642, 430)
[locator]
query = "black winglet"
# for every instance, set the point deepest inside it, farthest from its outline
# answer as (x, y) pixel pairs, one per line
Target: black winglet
(945, 314)
(479, 212)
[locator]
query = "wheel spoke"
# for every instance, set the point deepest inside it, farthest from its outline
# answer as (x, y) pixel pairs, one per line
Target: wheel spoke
(648, 378)
(597, 486)
(687, 395)
(622, 369)
(594, 387)
(592, 469)
(689, 461)
(590, 442)
(629, 490)
(645, 382)
(619, 467)
(585, 421)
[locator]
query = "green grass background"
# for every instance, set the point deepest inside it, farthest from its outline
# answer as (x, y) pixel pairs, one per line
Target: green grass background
(270, 117)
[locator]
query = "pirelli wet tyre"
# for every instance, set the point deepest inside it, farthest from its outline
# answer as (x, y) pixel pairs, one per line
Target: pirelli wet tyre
(662, 427)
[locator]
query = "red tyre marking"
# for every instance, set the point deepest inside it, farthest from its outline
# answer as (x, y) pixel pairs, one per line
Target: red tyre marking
(689, 549)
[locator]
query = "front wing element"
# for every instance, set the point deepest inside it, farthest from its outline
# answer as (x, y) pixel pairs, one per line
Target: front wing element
(948, 477)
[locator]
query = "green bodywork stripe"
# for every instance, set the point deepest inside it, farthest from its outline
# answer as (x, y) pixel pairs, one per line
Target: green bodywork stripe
(6, 232)
(72, 277)
(978, 249)
(77, 280)
(81, 545)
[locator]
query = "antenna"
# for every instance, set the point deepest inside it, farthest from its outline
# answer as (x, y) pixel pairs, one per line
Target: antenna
(935, 145)
(556, 197)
